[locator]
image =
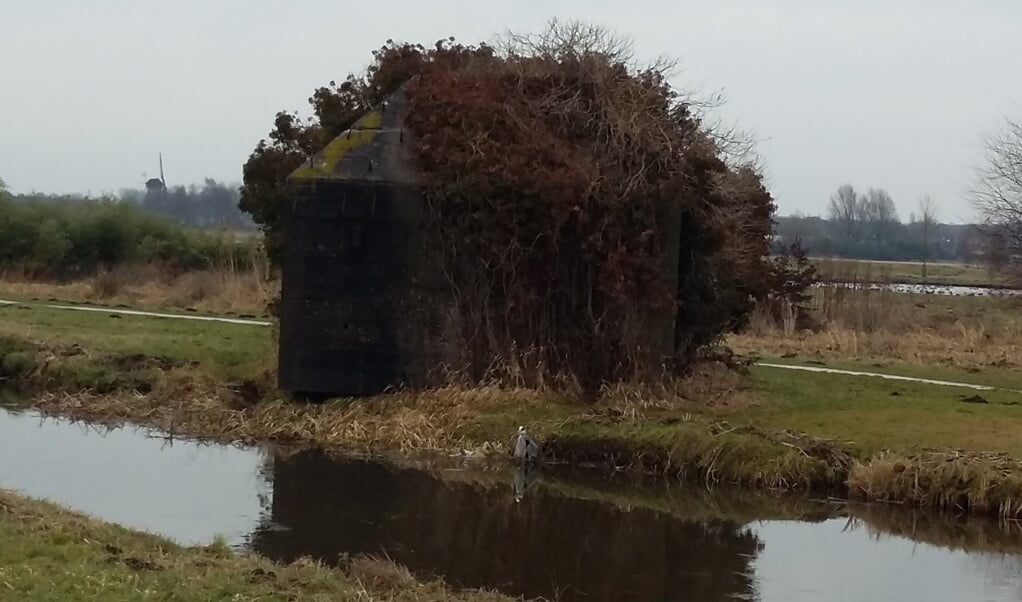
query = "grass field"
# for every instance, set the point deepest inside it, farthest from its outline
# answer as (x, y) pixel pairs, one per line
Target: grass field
(876, 415)
(228, 351)
(908, 272)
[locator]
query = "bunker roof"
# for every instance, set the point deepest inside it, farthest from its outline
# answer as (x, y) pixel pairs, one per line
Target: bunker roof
(377, 148)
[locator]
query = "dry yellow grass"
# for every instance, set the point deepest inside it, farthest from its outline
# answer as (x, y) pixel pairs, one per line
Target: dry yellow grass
(970, 332)
(437, 420)
(954, 480)
(384, 581)
(221, 290)
(960, 347)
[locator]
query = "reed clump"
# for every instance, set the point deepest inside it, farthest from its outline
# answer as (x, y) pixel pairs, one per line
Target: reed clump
(713, 452)
(989, 483)
(383, 579)
(190, 405)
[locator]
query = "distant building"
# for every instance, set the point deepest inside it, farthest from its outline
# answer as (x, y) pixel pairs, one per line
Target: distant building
(154, 185)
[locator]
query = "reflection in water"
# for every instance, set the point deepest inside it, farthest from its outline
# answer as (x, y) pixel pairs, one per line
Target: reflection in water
(544, 545)
(839, 562)
(524, 478)
(523, 533)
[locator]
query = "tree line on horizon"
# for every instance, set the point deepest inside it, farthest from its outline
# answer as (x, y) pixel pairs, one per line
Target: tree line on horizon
(857, 226)
(213, 205)
(49, 236)
(867, 225)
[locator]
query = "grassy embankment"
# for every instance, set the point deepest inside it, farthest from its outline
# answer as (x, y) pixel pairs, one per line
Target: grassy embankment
(909, 272)
(52, 554)
(770, 428)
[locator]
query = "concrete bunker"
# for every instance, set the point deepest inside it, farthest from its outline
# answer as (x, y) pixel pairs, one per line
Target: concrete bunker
(365, 306)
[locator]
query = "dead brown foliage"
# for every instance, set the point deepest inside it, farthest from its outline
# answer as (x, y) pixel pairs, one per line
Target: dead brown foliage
(957, 480)
(191, 406)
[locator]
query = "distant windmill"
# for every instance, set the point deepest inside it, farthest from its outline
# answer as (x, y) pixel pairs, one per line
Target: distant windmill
(156, 189)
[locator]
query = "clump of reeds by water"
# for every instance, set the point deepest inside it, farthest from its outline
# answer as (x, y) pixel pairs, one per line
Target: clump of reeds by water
(982, 482)
(383, 579)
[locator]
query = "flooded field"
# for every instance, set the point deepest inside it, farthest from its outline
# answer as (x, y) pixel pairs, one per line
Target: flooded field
(929, 289)
(554, 535)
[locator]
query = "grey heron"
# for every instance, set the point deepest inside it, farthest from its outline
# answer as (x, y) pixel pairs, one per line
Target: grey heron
(525, 448)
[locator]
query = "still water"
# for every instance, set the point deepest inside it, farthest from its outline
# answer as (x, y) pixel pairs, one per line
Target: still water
(560, 536)
(928, 289)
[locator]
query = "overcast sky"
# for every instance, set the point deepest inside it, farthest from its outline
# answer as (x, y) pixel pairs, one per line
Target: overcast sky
(873, 93)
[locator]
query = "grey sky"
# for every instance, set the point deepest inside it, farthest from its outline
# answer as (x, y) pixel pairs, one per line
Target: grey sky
(891, 94)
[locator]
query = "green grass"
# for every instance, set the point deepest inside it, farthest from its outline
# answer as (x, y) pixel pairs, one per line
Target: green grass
(224, 350)
(36, 300)
(866, 413)
(1009, 377)
(910, 272)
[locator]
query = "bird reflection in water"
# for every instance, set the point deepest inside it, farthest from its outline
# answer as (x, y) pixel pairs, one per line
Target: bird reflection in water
(524, 477)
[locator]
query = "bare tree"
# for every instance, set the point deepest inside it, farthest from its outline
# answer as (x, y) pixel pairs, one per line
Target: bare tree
(927, 221)
(998, 194)
(844, 209)
(582, 41)
(877, 214)
(880, 207)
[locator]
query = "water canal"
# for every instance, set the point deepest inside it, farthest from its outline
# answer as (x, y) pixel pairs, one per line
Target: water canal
(560, 536)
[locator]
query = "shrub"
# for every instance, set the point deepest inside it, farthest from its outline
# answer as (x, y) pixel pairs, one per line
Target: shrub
(78, 238)
(785, 295)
